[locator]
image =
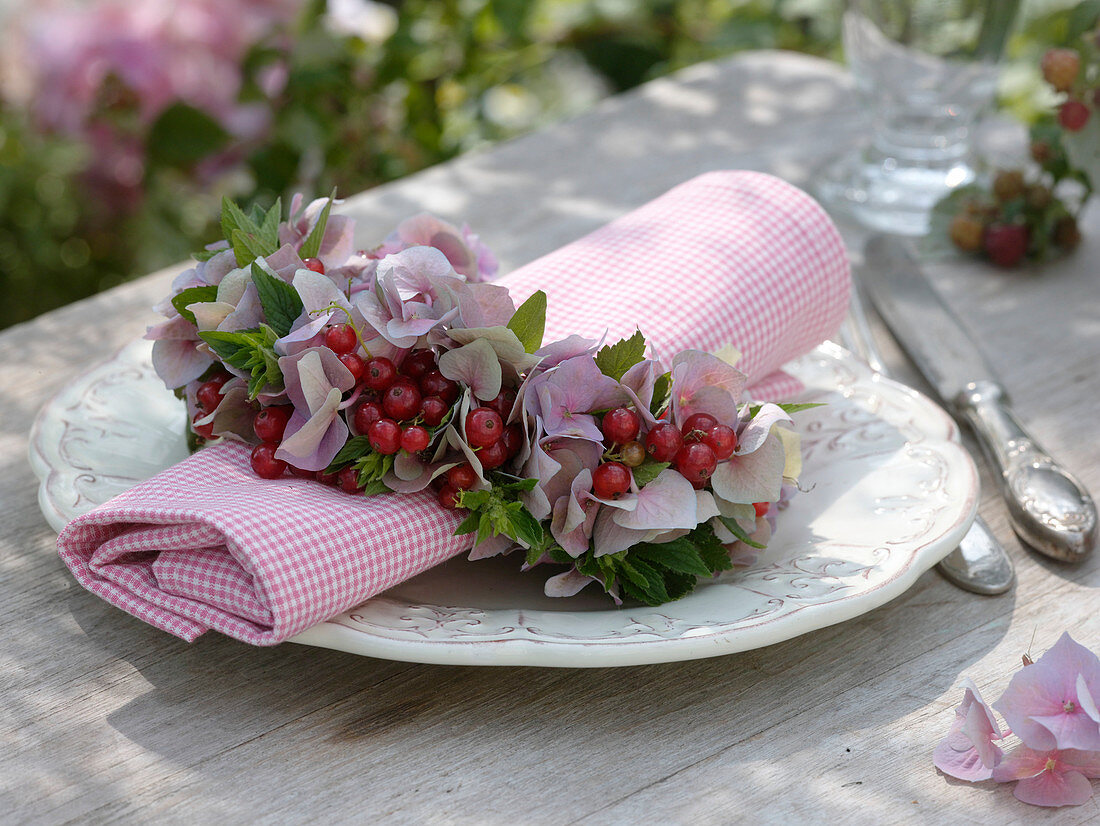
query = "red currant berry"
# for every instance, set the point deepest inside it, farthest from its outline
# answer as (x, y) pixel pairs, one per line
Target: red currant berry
(696, 462)
(264, 463)
(663, 442)
(302, 474)
(504, 402)
(722, 440)
(385, 436)
(1060, 68)
(433, 409)
(414, 438)
(621, 425)
(448, 497)
(348, 480)
(315, 264)
(206, 431)
(761, 508)
(355, 364)
(483, 427)
(1073, 115)
(632, 454)
(494, 455)
(329, 479)
(462, 476)
(435, 383)
(366, 414)
(402, 400)
(1006, 244)
(341, 339)
(380, 374)
(610, 480)
(417, 363)
(209, 394)
(270, 422)
(513, 438)
(697, 425)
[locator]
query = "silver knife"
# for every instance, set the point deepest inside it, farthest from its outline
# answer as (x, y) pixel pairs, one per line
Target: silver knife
(1049, 509)
(980, 564)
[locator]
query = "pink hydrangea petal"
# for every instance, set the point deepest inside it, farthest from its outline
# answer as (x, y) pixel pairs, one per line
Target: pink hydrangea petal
(1054, 789)
(1085, 762)
(177, 362)
(665, 503)
(1019, 763)
(1084, 697)
(963, 763)
(756, 431)
(566, 584)
(757, 477)
(475, 365)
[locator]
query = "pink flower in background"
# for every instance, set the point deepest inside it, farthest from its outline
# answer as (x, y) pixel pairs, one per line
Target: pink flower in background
(104, 71)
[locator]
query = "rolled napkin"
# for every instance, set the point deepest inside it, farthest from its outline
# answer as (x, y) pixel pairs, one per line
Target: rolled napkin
(735, 258)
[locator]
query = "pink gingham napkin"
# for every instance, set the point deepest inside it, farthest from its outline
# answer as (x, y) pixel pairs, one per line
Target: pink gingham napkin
(735, 258)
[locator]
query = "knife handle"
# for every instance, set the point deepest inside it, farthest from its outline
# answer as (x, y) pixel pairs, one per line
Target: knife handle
(1048, 507)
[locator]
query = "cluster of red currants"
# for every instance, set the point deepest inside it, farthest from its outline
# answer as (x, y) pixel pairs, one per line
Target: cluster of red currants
(694, 450)
(1062, 70)
(494, 441)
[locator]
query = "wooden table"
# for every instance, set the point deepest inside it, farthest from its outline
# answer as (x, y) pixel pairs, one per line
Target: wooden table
(105, 718)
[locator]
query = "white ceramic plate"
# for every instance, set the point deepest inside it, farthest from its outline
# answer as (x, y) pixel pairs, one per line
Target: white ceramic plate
(889, 492)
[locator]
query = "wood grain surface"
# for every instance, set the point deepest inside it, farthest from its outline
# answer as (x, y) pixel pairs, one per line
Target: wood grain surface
(105, 719)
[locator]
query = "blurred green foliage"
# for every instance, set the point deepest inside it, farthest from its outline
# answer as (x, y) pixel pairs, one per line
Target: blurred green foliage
(353, 113)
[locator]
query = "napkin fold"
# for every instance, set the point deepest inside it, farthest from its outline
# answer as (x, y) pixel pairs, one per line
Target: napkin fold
(728, 258)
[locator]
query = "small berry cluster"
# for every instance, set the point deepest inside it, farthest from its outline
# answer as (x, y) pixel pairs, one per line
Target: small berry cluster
(1017, 219)
(1068, 71)
(693, 450)
(492, 440)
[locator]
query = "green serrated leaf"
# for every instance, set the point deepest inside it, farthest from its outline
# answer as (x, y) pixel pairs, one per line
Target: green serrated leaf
(533, 555)
(526, 528)
(733, 527)
(193, 295)
(469, 524)
(679, 555)
(228, 345)
(269, 229)
(654, 589)
(233, 219)
(204, 255)
(354, 448)
(485, 528)
(280, 301)
(615, 359)
(559, 555)
(529, 321)
(648, 471)
(661, 390)
(312, 245)
(375, 487)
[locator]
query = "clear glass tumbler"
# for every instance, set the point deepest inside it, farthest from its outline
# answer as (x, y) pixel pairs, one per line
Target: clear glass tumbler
(925, 70)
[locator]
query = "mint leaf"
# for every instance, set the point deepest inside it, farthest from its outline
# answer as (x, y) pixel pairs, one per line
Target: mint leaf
(204, 255)
(193, 295)
(529, 321)
(354, 449)
(469, 524)
(234, 219)
(733, 527)
(251, 350)
(662, 388)
(653, 591)
(312, 245)
(375, 487)
(526, 527)
(648, 471)
(269, 229)
(679, 555)
(280, 301)
(615, 359)
(711, 551)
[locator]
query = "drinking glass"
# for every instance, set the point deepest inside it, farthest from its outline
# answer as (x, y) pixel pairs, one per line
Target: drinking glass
(924, 70)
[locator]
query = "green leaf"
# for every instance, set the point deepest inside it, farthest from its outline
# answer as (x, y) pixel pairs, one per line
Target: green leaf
(183, 135)
(193, 295)
(469, 524)
(678, 555)
(648, 471)
(533, 555)
(529, 321)
(375, 487)
(233, 219)
(227, 345)
(733, 527)
(354, 449)
(280, 301)
(312, 245)
(661, 388)
(250, 350)
(711, 551)
(204, 255)
(527, 528)
(269, 229)
(247, 248)
(654, 591)
(615, 359)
